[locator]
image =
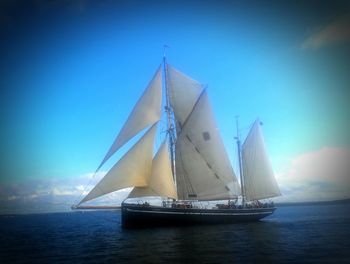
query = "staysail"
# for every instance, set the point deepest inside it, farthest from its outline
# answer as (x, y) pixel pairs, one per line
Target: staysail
(161, 181)
(146, 112)
(203, 170)
(259, 180)
(133, 169)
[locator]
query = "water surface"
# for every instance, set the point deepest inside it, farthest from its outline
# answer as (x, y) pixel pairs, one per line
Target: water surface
(293, 234)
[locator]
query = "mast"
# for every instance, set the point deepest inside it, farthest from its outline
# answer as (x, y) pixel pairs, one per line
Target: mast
(168, 110)
(240, 161)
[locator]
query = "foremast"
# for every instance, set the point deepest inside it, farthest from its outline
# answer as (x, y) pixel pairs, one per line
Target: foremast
(170, 114)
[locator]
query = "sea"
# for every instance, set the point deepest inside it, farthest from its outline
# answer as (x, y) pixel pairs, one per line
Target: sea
(293, 234)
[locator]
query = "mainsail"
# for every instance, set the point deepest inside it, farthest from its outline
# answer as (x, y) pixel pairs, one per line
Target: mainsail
(203, 170)
(146, 112)
(161, 181)
(259, 180)
(133, 169)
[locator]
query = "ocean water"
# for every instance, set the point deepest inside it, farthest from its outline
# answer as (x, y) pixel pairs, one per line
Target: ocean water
(293, 234)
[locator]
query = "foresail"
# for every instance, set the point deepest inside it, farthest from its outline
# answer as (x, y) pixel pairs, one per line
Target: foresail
(133, 169)
(203, 169)
(146, 112)
(161, 181)
(183, 92)
(259, 180)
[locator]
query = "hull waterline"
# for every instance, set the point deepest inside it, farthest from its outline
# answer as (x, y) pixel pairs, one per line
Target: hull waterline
(143, 216)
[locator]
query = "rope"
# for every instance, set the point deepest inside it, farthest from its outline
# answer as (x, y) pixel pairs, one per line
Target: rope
(85, 189)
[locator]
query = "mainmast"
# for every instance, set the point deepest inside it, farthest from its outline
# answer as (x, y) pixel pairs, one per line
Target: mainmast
(240, 161)
(170, 127)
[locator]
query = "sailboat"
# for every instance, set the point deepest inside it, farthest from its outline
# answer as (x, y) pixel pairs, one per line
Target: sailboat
(190, 172)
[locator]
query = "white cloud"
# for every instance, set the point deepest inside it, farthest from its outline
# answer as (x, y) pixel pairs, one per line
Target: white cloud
(336, 32)
(48, 195)
(317, 176)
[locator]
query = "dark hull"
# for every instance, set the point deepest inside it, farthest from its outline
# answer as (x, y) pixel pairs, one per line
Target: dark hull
(140, 216)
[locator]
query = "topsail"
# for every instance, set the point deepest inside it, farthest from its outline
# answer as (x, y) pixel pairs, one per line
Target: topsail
(184, 93)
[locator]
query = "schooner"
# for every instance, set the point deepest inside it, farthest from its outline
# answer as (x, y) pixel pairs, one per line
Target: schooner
(190, 166)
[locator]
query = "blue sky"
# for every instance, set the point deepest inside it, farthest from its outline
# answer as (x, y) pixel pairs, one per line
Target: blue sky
(71, 72)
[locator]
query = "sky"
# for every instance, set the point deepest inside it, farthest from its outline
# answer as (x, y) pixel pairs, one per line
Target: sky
(71, 71)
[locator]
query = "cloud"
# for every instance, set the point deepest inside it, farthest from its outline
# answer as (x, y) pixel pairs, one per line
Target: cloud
(336, 32)
(53, 195)
(317, 176)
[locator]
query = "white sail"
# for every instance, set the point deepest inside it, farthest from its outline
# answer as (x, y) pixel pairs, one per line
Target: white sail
(203, 170)
(161, 182)
(146, 112)
(259, 180)
(133, 169)
(183, 93)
